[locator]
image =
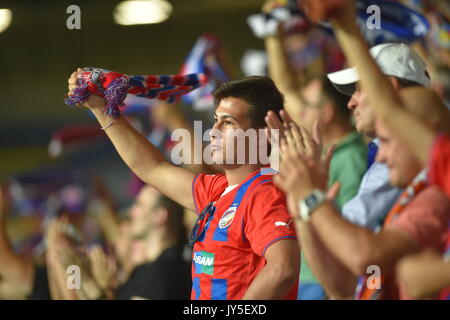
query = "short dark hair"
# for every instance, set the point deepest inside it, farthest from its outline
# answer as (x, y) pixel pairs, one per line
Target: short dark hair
(338, 99)
(259, 92)
(176, 213)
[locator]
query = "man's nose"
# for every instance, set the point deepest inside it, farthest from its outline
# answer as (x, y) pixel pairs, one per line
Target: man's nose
(215, 133)
(353, 102)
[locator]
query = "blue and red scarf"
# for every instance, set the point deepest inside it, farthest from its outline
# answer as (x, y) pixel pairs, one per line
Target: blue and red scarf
(114, 87)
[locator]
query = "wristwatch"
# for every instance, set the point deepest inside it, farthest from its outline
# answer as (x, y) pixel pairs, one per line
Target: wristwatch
(308, 204)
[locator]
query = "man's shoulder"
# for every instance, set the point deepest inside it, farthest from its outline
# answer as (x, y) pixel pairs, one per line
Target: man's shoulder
(214, 181)
(265, 192)
(264, 184)
(352, 141)
(352, 151)
(211, 177)
(433, 198)
(377, 174)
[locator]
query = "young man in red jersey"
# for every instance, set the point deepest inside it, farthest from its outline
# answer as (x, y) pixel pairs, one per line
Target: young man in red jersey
(244, 242)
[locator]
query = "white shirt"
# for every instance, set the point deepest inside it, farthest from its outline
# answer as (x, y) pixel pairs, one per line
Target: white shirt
(375, 198)
(228, 189)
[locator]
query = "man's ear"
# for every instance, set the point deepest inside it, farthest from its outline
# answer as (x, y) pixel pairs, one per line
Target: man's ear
(440, 90)
(161, 216)
(394, 83)
(328, 113)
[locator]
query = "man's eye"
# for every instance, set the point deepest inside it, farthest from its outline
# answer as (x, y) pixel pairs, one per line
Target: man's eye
(228, 123)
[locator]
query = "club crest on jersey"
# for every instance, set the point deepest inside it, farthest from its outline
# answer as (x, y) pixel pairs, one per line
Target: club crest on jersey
(227, 218)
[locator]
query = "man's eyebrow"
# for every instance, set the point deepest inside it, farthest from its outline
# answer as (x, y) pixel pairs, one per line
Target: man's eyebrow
(225, 116)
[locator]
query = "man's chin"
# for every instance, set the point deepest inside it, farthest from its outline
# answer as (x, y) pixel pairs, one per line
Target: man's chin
(226, 166)
(369, 133)
(396, 182)
(138, 235)
(358, 127)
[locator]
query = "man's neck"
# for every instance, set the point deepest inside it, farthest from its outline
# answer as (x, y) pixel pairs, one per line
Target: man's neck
(335, 133)
(156, 243)
(237, 175)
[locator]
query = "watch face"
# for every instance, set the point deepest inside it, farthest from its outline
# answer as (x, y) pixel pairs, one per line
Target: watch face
(311, 200)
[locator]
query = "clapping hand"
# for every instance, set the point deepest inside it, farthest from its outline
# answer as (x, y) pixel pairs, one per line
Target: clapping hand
(103, 267)
(304, 166)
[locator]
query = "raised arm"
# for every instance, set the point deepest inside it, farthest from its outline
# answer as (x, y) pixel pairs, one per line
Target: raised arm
(140, 155)
(16, 270)
(281, 71)
(385, 101)
(283, 76)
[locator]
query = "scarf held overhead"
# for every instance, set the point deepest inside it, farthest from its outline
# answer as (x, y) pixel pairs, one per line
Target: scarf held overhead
(114, 87)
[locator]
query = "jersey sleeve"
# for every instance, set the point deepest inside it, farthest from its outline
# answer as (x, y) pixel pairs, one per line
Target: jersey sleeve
(440, 163)
(205, 188)
(267, 219)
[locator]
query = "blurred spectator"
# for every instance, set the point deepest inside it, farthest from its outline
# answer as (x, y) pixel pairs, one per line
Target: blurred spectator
(20, 276)
(165, 273)
(152, 261)
(65, 254)
(339, 251)
(310, 98)
(417, 134)
(416, 222)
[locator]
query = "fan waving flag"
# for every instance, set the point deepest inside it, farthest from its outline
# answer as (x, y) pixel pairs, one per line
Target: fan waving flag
(380, 21)
(383, 21)
(398, 23)
(114, 87)
(205, 58)
(285, 14)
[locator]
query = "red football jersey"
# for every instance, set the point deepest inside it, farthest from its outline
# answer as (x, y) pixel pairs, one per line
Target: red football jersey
(245, 222)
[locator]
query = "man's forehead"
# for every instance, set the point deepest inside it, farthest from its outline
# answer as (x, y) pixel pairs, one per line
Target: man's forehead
(356, 87)
(232, 106)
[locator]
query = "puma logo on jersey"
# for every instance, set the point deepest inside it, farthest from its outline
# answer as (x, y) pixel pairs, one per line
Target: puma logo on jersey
(281, 223)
